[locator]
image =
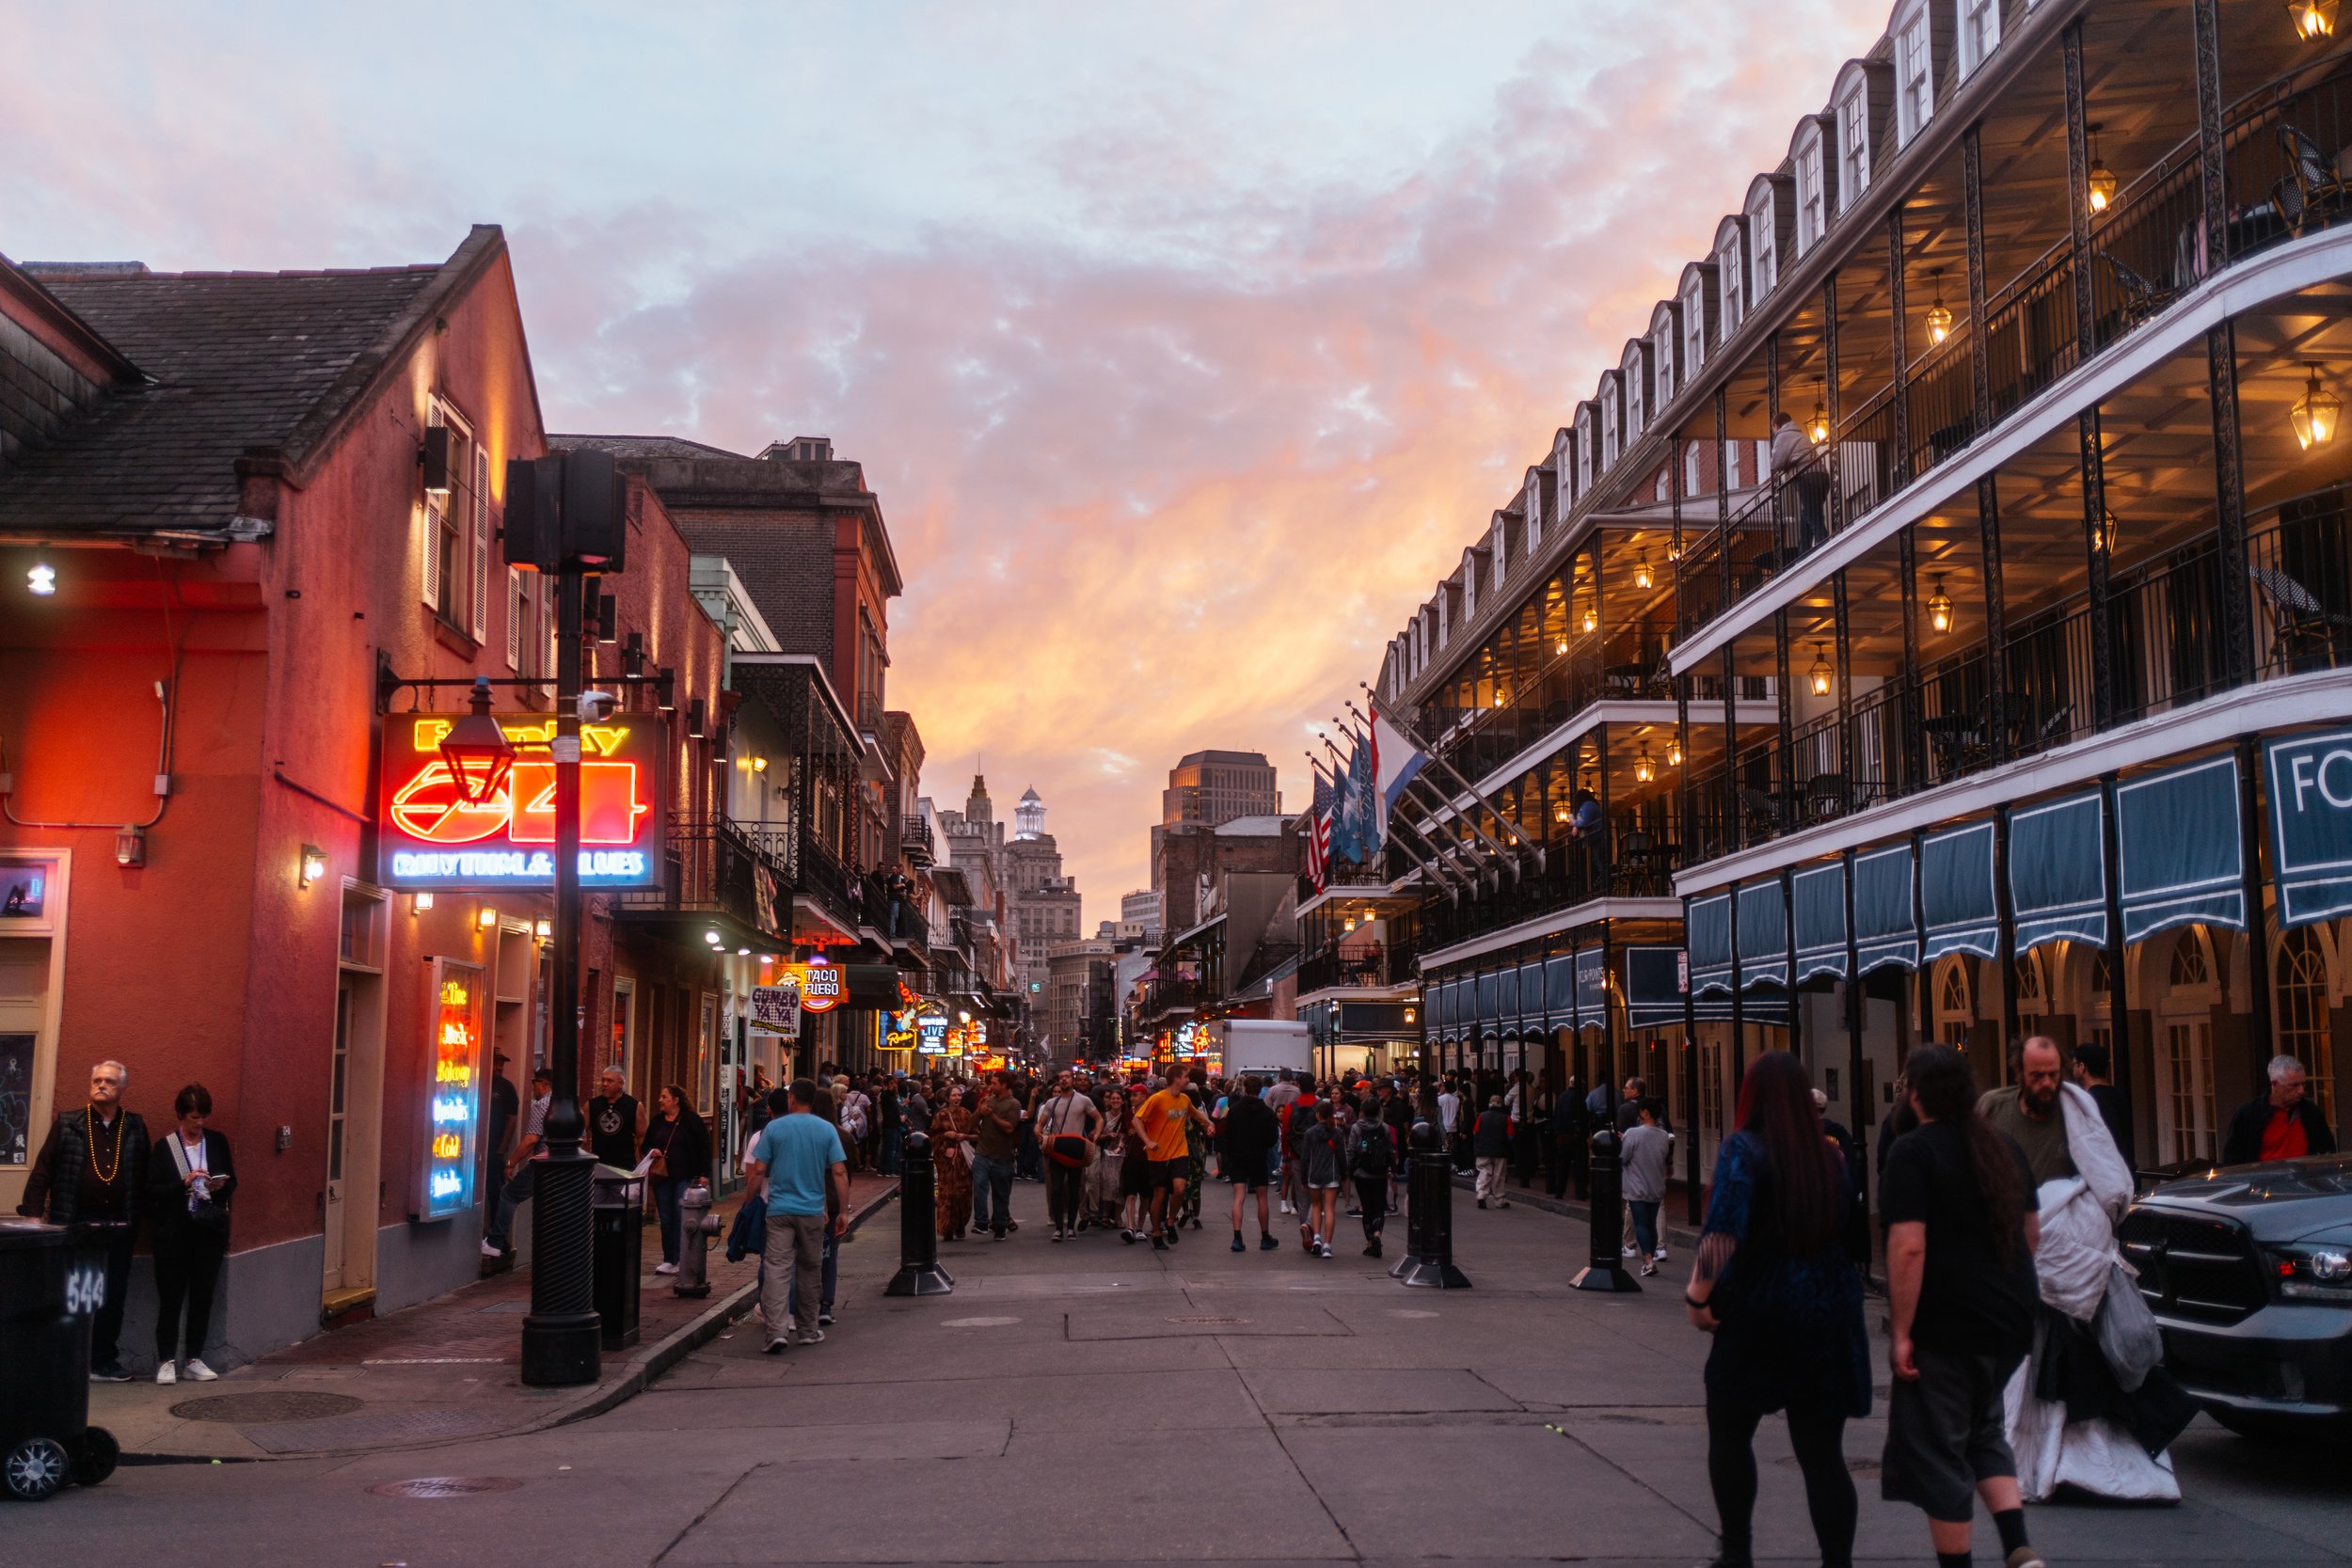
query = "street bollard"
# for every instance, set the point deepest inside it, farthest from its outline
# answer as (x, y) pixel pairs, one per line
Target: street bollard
(695, 1225)
(1605, 1270)
(1429, 1229)
(919, 1273)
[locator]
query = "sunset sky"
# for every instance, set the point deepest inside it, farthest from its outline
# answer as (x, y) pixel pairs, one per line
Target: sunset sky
(1186, 344)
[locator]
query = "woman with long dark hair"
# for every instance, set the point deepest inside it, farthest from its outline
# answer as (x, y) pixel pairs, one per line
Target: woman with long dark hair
(1780, 1296)
(680, 1147)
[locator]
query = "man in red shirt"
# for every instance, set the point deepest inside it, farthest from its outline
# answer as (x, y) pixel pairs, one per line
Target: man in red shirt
(2280, 1125)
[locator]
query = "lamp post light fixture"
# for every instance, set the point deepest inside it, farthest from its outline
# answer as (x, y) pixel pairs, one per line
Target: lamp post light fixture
(314, 864)
(476, 751)
(2313, 19)
(1939, 316)
(40, 579)
(2316, 413)
(2099, 185)
(1822, 672)
(1939, 606)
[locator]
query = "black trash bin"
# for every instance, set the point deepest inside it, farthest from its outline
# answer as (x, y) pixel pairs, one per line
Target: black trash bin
(52, 1280)
(620, 1206)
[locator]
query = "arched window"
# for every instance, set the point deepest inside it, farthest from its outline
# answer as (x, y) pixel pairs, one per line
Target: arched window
(1953, 1011)
(2029, 994)
(2189, 965)
(2187, 1112)
(2300, 1013)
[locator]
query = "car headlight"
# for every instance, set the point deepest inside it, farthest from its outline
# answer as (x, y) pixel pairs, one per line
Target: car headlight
(2313, 1273)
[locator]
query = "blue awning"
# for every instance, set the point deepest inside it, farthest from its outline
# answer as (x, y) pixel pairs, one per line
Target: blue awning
(1489, 998)
(1534, 1016)
(1956, 892)
(1819, 895)
(1708, 932)
(1653, 987)
(1763, 933)
(1886, 924)
(1592, 989)
(1560, 991)
(2178, 832)
(2311, 824)
(2058, 871)
(1507, 996)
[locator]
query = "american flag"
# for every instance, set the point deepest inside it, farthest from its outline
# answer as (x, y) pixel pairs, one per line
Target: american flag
(1319, 835)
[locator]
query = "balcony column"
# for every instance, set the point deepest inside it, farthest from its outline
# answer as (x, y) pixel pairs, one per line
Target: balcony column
(2119, 984)
(1689, 1081)
(1608, 827)
(1735, 828)
(1782, 689)
(1972, 203)
(1738, 1007)
(1843, 626)
(1722, 504)
(2077, 181)
(2229, 486)
(1836, 514)
(1923, 1001)
(1683, 834)
(2098, 557)
(2249, 808)
(1788, 945)
(1609, 1011)
(2005, 939)
(1857, 1108)
(1899, 340)
(2212, 153)
(1995, 616)
(1914, 738)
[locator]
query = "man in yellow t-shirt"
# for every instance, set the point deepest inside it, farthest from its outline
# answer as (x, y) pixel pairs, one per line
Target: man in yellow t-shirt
(1163, 1119)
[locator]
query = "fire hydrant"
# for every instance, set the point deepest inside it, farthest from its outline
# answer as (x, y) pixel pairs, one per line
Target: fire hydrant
(697, 1224)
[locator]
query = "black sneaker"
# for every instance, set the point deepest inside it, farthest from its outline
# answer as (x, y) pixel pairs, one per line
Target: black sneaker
(1159, 1244)
(1127, 1236)
(999, 1234)
(1238, 1245)
(1266, 1243)
(1372, 1251)
(824, 1317)
(111, 1372)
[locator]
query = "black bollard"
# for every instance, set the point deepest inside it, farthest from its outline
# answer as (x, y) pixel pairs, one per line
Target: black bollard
(1605, 1270)
(919, 1273)
(1429, 1229)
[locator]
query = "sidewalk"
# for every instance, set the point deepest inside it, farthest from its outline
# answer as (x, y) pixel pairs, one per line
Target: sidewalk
(446, 1369)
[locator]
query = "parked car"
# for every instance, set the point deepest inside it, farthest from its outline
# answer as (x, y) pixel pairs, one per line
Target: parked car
(2248, 1268)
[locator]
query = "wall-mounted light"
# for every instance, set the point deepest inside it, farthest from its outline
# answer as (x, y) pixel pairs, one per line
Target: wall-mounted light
(1821, 673)
(544, 929)
(433, 457)
(713, 938)
(2313, 19)
(2316, 413)
(760, 765)
(130, 846)
(1939, 606)
(1939, 316)
(2099, 185)
(1819, 429)
(1410, 1016)
(313, 866)
(40, 579)
(1642, 576)
(420, 902)
(1645, 770)
(486, 917)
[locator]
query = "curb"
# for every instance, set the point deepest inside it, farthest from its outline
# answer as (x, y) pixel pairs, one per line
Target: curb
(1568, 1208)
(648, 1364)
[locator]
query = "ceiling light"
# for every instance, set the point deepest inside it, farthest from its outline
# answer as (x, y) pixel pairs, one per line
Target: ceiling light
(2315, 414)
(713, 938)
(1822, 672)
(2099, 185)
(40, 579)
(1940, 608)
(1645, 770)
(1592, 619)
(1674, 751)
(1939, 317)
(1820, 430)
(1642, 576)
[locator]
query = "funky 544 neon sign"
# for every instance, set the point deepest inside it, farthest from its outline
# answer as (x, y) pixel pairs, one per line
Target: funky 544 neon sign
(433, 837)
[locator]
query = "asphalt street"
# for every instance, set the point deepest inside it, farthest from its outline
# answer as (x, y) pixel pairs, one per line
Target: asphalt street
(1090, 1401)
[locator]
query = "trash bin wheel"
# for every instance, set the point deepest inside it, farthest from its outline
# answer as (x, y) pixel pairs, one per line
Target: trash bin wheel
(96, 1457)
(35, 1468)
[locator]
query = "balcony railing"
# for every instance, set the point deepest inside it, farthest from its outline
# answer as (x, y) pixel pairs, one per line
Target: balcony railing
(1365, 965)
(710, 866)
(1625, 663)
(1635, 859)
(2282, 149)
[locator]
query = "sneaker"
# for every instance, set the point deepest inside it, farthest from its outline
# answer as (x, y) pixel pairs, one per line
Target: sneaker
(1372, 1250)
(1502, 1203)
(1056, 1236)
(813, 1336)
(1628, 1252)
(1012, 1224)
(1482, 1203)
(491, 1249)
(1648, 1269)
(824, 1317)
(1266, 1243)
(776, 1346)
(110, 1372)
(1658, 1256)
(194, 1370)
(1238, 1245)
(1127, 1236)
(1175, 1234)
(1323, 1249)
(999, 1234)
(1159, 1244)
(1286, 1206)
(1196, 1221)
(166, 1374)
(665, 1268)
(2024, 1557)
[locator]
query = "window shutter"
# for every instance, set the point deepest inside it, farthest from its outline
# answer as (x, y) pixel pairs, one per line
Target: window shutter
(547, 632)
(514, 618)
(479, 534)
(432, 593)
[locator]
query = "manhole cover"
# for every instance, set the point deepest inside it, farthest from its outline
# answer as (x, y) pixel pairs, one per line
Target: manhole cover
(1198, 1319)
(444, 1486)
(260, 1408)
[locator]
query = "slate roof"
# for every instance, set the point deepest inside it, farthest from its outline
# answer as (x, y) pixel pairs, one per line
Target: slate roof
(235, 362)
(644, 448)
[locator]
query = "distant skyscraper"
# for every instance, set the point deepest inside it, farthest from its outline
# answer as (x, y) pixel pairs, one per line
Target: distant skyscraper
(1029, 817)
(1217, 786)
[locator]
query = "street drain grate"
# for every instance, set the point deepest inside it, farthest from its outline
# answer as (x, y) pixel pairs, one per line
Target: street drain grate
(261, 1409)
(1196, 1318)
(444, 1486)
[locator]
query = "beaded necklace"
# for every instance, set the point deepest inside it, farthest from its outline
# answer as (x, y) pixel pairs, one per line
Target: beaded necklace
(105, 1176)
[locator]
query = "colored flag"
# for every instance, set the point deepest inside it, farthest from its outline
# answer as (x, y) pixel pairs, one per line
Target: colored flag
(1371, 820)
(1319, 835)
(1396, 762)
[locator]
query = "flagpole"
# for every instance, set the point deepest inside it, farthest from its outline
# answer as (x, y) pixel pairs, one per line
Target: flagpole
(1472, 875)
(1469, 788)
(1450, 880)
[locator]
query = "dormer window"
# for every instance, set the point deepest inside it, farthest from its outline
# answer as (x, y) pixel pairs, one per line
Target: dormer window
(1583, 454)
(1854, 136)
(1535, 513)
(1811, 222)
(1633, 399)
(1727, 273)
(1979, 33)
(1502, 548)
(1607, 430)
(1694, 328)
(1914, 78)
(1762, 231)
(1662, 351)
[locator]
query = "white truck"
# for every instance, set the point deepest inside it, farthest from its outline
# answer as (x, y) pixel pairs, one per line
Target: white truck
(1267, 1046)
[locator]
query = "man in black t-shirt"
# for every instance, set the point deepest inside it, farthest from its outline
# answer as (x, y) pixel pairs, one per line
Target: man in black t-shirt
(612, 1121)
(1960, 1287)
(1246, 1140)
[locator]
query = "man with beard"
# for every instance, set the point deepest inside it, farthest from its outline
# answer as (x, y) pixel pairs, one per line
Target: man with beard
(2030, 1111)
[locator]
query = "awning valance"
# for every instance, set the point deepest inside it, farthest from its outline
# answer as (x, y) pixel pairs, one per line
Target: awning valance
(1507, 996)
(1818, 895)
(1885, 923)
(1533, 1014)
(2311, 824)
(1653, 987)
(1956, 892)
(2178, 832)
(1707, 929)
(1489, 997)
(1560, 991)
(1763, 935)
(2058, 871)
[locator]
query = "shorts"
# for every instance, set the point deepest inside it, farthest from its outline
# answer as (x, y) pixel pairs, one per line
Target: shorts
(1167, 1173)
(1946, 1431)
(1323, 1186)
(1256, 1181)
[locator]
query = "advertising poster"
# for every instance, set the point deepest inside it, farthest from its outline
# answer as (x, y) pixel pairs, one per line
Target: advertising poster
(776, 1009)
(16, 1099)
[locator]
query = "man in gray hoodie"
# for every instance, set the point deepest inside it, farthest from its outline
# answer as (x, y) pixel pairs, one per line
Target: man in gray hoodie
(1648, 1151)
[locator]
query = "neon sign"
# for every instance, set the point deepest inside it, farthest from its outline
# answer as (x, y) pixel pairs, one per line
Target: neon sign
(823, 986)
(433, 837)
(453, 1101)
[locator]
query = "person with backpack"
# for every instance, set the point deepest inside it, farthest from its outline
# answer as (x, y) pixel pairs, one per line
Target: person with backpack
(1371, 1165)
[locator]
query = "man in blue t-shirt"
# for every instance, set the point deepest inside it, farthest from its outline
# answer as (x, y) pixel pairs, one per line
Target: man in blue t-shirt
(798, 1160)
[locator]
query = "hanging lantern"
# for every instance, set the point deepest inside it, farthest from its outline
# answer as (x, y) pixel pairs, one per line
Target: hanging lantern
(1940, 608)
(2099, 185)
(1819, 429)
(1821, 672)
(1643, 577)
(1592, 619)
(1644, 768)
(476, 751)
(1939, 317)
(2316, 413)
(1674, 751)
(2313, 19)
(1561, 646)
(1559, 814)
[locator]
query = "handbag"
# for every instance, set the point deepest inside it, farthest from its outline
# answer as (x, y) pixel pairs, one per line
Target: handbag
(207, 1215)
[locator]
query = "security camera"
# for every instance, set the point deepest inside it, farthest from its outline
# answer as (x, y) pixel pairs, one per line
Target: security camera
(597, 706)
